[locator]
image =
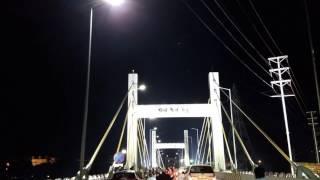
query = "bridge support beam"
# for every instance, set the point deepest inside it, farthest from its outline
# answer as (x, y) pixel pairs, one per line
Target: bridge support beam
(186, 149)
(132, 126)
(216, 122)
(153, 149)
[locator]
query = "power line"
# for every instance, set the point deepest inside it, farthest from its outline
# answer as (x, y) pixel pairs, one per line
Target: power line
(264, 26)
(223, 43)
(232, 36)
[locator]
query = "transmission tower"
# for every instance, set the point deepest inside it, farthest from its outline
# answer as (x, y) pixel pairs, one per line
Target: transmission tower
(281, 73)
(312, 122)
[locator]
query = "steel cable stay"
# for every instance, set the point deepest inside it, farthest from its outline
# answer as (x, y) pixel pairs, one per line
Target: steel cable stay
(222, 42)
(142, 144)
(236, 132)
(262, 132)
(233, 166)
(145, 144)
(140, 149)
(122, 132)
(198, 145)
(200, 139)
(203, 131)
(88, 166)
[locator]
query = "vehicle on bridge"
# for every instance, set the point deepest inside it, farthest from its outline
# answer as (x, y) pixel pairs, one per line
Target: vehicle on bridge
(198, 172)
(126, 175)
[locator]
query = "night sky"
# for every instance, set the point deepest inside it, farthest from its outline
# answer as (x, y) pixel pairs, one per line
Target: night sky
(44, 61)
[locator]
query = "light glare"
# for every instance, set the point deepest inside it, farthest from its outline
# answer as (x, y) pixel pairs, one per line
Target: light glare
(142, 87)
(115, 2)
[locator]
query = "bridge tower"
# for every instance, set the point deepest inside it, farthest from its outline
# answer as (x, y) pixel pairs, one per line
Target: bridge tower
(211, 110)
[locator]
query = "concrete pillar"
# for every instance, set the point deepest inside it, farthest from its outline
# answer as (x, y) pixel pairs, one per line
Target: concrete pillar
(132, 126)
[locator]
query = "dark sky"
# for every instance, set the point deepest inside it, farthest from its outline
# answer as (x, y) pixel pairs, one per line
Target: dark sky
(45, 48)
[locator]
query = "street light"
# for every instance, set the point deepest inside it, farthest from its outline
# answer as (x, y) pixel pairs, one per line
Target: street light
(86, 100)
(233, 138)
(196, 129)
(192, 152)
(114, 2)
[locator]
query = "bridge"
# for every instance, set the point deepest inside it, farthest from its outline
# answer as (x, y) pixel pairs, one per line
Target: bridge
(211, 148)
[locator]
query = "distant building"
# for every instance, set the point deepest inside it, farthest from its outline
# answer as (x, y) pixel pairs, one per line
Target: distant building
(40, 160)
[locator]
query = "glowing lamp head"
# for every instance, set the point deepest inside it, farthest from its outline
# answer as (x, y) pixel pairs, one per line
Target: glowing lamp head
(142, 87)
(123, 151)
(114, 2)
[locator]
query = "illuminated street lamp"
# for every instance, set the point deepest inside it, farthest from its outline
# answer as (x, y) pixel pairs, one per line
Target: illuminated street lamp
(124, 151)
(85, 113)
(114, 2)
(142, 87)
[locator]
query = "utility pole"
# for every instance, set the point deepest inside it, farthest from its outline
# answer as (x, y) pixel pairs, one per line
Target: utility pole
(314, 65)
(279, 72)
(313, 124)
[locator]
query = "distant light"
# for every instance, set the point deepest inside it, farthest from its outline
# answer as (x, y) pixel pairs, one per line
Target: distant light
(115, 2)
(159, 141)
(8, 164)
(155, 128)
(157, 136)
(191, 160)
(181, 160)
(177, 153)
(259, 161)
(123, 151)
(142, 87)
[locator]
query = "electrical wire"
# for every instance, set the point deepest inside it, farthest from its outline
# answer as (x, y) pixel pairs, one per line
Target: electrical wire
(264, 26)
(232, 36)
(221, 41)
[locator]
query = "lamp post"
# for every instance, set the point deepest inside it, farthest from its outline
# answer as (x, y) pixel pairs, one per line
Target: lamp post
(192, 152)
(86, 100)
(233, 138)
(196, 129)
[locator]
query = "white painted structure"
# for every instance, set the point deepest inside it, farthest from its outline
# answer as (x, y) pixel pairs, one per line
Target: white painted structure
(211, 110)
(155, 146)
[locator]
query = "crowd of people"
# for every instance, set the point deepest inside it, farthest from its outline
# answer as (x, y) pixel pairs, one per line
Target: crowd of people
(170, 173)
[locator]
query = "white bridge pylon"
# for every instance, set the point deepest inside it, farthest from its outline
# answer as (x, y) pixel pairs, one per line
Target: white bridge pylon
(155, 146)
(211, 110)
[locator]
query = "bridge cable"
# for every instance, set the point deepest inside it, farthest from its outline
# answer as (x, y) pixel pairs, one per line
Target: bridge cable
(88, 166)
(201, 138)
(144, 143)
(263, 133)
(122, 132)
(200, 141)
(238, 137)
(228, 149)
